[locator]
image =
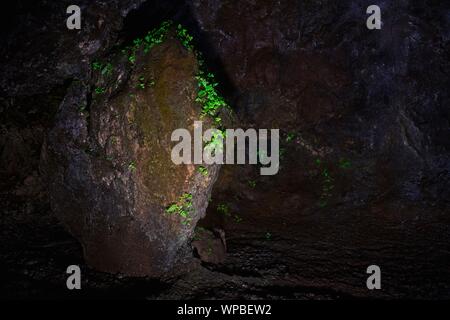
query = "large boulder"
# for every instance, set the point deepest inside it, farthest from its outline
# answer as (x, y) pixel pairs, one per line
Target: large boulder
(108, 158)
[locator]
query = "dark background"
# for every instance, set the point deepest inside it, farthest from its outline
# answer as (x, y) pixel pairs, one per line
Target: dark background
(371, 105)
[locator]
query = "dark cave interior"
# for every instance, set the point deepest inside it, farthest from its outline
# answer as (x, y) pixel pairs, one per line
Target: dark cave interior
(364, 174)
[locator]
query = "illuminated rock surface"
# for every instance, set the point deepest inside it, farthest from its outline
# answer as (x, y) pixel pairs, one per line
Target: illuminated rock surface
(109, 162)
(364, 119)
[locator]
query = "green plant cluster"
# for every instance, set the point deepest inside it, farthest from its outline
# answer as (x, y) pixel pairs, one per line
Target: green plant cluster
(156, 36)
(152, 38)
(105, 69)
(212, 102)
(207, 95)
(290, 136)
(328, 180)
(223, 208)
(252, 183)
(203, 170)
(237, 218)
(132, 166)
(344, 163)
(100, 90)
(183, 208)
(185, 37)
(141, 82)
(215, 144)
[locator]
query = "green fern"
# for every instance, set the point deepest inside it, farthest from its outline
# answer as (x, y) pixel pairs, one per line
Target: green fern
(183, 208)
(184, 37)
(203, 170)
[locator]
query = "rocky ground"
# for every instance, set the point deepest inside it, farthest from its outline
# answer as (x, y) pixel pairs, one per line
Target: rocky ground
(301, 259)
(365, 154)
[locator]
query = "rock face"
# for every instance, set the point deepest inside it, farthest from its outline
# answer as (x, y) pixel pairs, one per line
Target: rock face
(314, 69)
(362, 116)
(365, 156)
(108, 159)
(40, 44)
(210, 246)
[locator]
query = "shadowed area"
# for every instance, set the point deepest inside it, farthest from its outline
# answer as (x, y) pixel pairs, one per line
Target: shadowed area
(364, 151)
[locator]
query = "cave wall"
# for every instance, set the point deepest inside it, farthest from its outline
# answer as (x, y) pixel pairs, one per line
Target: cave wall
(368, 108)
(313, 68)
(364, 172)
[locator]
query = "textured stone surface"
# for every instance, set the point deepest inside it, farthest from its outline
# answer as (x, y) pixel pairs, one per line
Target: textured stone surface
(38, 52)
(364, 174)
(210, 246)
(377, 98)
(372, 106)
(111, 177)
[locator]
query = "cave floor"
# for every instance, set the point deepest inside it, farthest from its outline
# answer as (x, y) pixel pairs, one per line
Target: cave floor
(304, 259)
